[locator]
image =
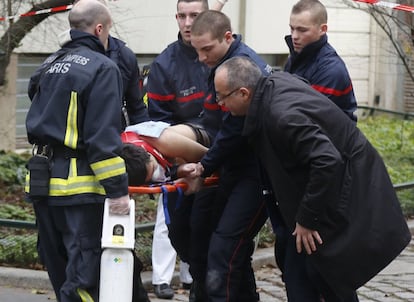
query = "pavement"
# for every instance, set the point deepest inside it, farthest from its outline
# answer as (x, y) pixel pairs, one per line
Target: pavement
(394, 284)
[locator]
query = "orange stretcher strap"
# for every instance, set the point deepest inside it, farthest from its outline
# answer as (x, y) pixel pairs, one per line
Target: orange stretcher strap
(169, 187)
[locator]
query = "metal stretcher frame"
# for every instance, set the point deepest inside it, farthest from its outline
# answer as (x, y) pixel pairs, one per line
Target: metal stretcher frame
(169, 186)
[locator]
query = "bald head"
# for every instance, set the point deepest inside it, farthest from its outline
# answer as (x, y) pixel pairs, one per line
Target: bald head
(235, 81)
(87, 14)
(91, 16)
(241, 71)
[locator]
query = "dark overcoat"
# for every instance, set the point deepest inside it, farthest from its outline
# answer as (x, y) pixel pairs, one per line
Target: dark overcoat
(326, 176)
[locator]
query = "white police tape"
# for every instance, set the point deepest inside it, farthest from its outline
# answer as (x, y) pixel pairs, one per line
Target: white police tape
(396, 6)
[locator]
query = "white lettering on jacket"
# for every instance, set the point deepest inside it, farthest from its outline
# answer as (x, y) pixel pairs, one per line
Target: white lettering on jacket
(188, 91)
(78, 59)
(59, 68)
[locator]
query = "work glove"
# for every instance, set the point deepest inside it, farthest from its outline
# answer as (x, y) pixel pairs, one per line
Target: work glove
(119, 205)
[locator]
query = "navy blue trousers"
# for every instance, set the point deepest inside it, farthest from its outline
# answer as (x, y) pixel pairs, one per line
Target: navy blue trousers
(69, 245)
(214, 233)
(70, 248)
(241, 214)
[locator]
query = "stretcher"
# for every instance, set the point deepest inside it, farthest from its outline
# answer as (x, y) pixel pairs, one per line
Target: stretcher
(168, 186)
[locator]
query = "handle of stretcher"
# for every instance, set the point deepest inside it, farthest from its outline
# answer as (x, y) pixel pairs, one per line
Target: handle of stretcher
(170, 187)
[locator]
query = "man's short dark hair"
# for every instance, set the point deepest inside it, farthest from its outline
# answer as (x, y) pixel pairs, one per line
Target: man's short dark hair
(203, 2)
(136, 161)
(315, 7)
(210, 21)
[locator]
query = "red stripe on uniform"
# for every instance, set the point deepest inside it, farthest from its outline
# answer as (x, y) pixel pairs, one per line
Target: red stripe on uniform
(211, 106)
(224, 108)
(190, 97)
(331, 91)
(216, 107)
(161, 98)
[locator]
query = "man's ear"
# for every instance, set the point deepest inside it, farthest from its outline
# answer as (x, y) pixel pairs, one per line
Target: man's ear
(323, 28)
(228, 35)
(98, 29)
(245, 92)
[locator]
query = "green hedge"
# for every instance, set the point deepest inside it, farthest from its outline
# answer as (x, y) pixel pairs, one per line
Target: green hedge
(394, 140)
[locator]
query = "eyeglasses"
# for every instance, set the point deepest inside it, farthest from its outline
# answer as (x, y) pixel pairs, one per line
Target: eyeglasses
(220, 99)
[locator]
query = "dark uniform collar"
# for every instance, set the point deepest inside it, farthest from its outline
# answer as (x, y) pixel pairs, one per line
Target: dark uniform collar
(80, 38)
(308, 51)
(187, 49)
(114, 44)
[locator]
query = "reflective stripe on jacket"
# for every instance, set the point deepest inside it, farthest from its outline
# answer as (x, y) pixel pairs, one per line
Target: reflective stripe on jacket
(76, 106)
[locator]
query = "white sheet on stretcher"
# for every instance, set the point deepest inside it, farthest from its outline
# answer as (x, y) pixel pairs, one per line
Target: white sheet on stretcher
(150, 128)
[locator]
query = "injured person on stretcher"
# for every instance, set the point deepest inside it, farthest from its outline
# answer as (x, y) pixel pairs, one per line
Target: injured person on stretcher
(153, 151)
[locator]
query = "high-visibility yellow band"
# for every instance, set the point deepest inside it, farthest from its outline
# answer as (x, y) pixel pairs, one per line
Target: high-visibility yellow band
(75, 185)
(109, 168)
(84, 295)
(71, 135)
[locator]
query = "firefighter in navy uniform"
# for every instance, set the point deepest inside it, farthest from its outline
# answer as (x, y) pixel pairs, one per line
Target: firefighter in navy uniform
(135, 109)
(74, 122)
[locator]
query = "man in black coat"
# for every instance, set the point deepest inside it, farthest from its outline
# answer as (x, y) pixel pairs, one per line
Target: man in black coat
(331, 186)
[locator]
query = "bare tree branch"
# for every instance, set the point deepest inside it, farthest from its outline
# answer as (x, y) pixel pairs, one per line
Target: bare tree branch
(397, 26)
(17, 31)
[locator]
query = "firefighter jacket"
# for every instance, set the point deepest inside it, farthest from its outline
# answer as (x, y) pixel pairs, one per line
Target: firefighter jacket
(76, 107)
(319, 63)
(229, 143)
(177, 86)
(132, 91)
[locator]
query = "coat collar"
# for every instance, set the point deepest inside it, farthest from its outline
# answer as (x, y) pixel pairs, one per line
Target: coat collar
(187, 49)
(253, 116)
(308, 51)
(79, 38)
(114, 44)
